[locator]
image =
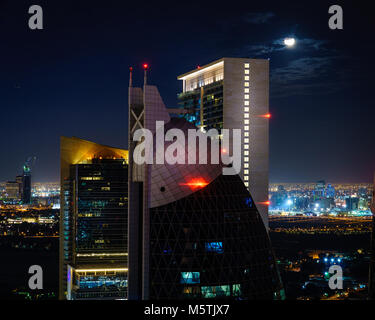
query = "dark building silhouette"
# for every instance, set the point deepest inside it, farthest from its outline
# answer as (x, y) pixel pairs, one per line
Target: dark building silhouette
(26, 186)
(351, 203)
(212, 244)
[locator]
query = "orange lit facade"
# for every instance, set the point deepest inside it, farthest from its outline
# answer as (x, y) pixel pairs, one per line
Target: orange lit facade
(93, 221)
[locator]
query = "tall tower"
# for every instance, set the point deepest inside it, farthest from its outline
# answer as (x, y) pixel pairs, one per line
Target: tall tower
(145, 108)
(93, 221)
(26, 181)
(193, 232)
(233, 93)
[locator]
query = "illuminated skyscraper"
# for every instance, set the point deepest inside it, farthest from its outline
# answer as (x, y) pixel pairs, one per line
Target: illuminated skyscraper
(233, 93)
(193, 232)
(93, 221)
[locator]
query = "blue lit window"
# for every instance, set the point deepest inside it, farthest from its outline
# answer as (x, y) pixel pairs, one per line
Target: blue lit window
(216, 291)
(214, 247)
(249, 202)
(190, 277)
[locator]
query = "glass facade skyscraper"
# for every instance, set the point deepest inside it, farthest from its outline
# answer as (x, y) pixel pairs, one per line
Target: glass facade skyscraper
(212, 244)
(94, 202)
(233, 93)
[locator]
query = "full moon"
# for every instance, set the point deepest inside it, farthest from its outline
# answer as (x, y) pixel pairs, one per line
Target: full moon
(289, 42)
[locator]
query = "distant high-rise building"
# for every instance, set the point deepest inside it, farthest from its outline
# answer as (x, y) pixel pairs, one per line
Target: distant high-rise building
(319, 190)
(233, 93)
(26, 184)
(193, 232)
(330, 191)
(19, 180)
(12, 190)
(351, 203)
(93, 221)
(362, 192)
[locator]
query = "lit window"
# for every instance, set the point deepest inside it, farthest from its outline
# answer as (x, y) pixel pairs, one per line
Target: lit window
(246, 184)
(246, 152)
(214, 247)
(236, 290)
(246, 84)
(246, 140)
(247, 78)
(246, 115)
(215, 291)
(246, 172)
(246, 178)
(247, 90)
(247, 65)
(247, 103)
(247, 71)
(246, 159)
(246, 146)
(246, 128)
(190, 277)
(247, 97)
(246, 134)
(246, 121)
(246, 165)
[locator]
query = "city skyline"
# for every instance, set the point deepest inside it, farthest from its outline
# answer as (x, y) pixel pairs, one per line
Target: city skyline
(320, 97)
(187, 152)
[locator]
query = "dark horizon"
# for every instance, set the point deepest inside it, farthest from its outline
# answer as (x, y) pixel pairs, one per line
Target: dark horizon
(71, 78)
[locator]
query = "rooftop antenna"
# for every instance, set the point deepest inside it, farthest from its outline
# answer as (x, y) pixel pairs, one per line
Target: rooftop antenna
(145, 67)
(130, 77)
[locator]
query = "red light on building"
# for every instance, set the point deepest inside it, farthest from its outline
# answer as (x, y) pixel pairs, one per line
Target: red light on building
(145, 66)
(266, 116)
(198, 67)
(265, 203)
(196, 183)
(131, 68)
(223, 150)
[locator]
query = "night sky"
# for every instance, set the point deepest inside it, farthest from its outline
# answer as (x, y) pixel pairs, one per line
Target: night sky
(71, 78)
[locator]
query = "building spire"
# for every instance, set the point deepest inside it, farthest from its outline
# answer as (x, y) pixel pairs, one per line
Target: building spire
(130, 77)
(145, 67)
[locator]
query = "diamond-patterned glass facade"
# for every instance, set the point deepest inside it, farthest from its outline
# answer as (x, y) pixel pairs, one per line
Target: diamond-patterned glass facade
(212, 244)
